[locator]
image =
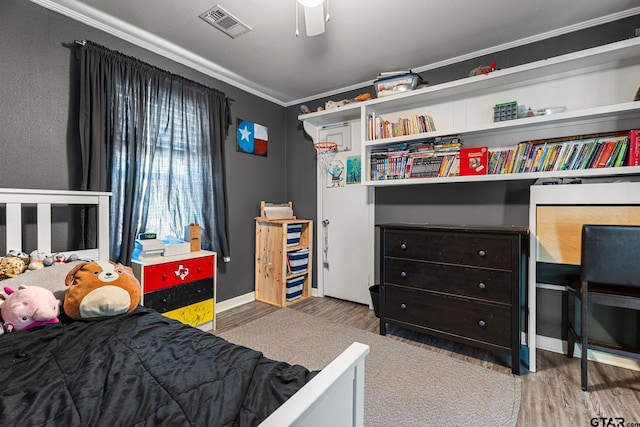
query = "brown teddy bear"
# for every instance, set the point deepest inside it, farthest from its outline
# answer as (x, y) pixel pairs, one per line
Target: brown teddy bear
(100, 289)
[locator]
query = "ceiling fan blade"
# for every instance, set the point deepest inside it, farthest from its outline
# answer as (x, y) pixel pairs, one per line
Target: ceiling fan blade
(314, 19)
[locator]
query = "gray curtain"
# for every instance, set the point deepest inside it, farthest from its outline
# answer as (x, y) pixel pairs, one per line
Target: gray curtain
(156, 141)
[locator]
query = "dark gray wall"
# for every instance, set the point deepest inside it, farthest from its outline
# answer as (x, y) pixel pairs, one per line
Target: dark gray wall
(39, 136)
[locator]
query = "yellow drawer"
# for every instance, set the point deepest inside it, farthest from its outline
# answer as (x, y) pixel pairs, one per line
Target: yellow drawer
(194, 314)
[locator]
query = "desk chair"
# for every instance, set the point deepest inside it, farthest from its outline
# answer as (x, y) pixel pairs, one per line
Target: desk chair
(610, 275)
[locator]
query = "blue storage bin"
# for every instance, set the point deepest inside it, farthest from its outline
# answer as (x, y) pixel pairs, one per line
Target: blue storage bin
(298, 260)
(293, 234)
(294, 288)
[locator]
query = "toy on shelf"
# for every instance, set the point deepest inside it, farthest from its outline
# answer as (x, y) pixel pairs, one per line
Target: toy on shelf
(483, 69)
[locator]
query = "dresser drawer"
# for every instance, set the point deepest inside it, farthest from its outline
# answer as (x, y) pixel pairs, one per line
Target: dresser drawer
(168, 299)
(489, 251)
(448, 314)
(174, 273)
(491, 285)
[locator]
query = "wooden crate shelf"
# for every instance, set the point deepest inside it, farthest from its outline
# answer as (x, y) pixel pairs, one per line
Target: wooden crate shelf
(272, 259)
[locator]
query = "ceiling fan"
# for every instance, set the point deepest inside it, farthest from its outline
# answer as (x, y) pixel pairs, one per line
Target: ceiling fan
(314, 16)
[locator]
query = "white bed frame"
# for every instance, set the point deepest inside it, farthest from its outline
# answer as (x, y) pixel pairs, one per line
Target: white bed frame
(334, 397)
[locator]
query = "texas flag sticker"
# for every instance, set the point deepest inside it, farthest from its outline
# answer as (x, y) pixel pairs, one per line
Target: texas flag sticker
(252, 138)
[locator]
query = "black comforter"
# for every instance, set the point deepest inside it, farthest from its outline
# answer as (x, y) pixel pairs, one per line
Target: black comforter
(138, 369)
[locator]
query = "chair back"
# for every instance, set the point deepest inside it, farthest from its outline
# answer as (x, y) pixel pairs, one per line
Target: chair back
(611, 254)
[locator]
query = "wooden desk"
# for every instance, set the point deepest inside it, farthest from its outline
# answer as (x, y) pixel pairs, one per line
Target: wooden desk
(556, 216)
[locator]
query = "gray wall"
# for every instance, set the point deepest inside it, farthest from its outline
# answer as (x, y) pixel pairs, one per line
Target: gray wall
(39, 136)
(39, 128)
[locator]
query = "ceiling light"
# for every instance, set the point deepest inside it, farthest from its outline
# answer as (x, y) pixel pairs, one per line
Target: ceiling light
(314, 16)
(310, 3)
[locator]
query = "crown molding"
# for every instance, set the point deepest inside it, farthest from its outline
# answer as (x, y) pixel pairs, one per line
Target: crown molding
(116, 27)
(94, 18)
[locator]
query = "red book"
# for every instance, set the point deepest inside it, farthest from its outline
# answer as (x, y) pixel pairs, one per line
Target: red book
(473, 161)
(606, 153)
(633, 158)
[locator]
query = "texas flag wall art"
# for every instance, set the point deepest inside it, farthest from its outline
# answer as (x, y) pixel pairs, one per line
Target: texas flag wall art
(252, 138)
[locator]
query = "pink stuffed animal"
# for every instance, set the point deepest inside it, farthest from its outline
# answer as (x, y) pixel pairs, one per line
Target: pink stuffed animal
(28, 307)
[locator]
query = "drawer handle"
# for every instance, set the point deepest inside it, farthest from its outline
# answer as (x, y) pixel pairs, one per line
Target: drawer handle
(403, 274)
(198, 270)
(403, 246)
(482, 285)
(482, 323)
(164, 300)
(164, 277)
(403, 306)
(482, 253)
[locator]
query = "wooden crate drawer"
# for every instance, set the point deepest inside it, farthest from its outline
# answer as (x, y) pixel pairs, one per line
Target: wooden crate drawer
(446, 247)
(169, 274)
(164, 300)
(447, 314)
(491, 285)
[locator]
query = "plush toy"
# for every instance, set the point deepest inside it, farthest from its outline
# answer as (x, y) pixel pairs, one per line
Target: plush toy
(11, 266)
(38, 260)
(28, 307)
(483, 69)
(100, 289)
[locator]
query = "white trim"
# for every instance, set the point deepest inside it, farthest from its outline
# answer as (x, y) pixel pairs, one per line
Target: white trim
(498, 48)
(551, 287)
(235, 302)
(146, 40)
(92, 17)
(556, 345)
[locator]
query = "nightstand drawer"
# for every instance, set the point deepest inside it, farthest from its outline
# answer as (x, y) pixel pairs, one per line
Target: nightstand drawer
(447, 314)
(169, 274)
(172, 298)
(490, 285)
(453, 248)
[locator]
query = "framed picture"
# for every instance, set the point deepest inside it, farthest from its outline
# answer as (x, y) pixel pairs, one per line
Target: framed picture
(353, 169)
(335, 174)
(252, 138)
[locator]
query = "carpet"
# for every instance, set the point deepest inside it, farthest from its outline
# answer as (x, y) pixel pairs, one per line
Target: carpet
(404, 385)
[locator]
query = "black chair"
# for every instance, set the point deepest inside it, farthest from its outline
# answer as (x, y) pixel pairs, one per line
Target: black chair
(610, 275)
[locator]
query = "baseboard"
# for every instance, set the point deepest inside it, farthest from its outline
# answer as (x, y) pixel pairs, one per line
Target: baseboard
(235, 302)
(243, 299)
(557, 345)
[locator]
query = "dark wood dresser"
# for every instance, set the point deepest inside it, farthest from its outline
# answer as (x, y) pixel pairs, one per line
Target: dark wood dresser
(461, 283)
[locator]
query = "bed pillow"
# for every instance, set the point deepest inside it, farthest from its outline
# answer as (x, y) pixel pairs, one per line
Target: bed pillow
(52, 278)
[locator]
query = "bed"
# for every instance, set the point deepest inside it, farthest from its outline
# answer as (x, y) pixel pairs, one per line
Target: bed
(141, 368)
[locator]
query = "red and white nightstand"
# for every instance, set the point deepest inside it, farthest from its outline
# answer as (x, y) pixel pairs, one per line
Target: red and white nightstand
(182, 287)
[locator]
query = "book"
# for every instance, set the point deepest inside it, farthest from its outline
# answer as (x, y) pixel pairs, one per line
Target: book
(606, 153)
(473, 161)
(633, 159)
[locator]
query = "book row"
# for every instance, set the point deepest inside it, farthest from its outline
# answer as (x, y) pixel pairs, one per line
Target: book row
(428, 159)
(379, 128)
(571, 155)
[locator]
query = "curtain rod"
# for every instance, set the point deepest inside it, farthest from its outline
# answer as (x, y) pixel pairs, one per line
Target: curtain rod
(84, 42)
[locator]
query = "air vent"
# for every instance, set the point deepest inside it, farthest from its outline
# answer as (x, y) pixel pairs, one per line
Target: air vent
(225, 22)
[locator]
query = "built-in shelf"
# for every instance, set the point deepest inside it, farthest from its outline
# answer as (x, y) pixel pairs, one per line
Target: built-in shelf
(601, 81)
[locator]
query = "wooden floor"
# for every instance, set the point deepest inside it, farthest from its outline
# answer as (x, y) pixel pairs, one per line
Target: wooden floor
(550, 397)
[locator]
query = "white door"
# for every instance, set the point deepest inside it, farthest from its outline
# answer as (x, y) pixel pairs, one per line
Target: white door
(345, 232)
